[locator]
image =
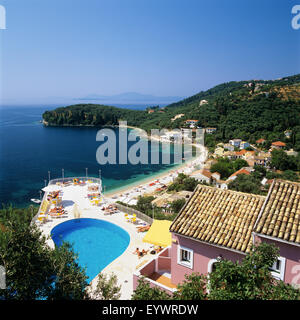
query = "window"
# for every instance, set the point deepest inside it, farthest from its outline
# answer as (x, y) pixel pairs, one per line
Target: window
(185, 257)
(278, 268)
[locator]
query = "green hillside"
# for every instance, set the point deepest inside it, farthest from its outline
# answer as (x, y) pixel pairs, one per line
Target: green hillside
(238, 109)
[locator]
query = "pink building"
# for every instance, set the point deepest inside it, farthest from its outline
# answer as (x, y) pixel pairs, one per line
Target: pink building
(217, 223)
(279, 223)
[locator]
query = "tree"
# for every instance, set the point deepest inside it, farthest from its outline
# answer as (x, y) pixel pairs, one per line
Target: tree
(33, 269)
(144, 203)
(144, 291)
(192, 288)
(259, 171)
(249, 279)
(107, 288)
(226, 167)
(246, 183)
(177, 205)
(223, 167)
(290, 175)
(239, 164)
(183, 182)
(281, 161)
(69, 278)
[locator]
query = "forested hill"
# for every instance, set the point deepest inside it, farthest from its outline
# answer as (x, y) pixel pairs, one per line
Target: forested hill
(238, 109)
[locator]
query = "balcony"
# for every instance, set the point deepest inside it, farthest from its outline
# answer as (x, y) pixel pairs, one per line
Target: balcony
(157, 272)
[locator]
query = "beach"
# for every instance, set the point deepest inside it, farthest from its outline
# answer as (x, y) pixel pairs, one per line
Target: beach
(128, 194)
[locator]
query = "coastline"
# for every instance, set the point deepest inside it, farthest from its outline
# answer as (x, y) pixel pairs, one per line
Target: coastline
(143, 183)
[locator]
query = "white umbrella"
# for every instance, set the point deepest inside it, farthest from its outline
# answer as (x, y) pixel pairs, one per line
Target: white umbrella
(76, 211)
(52, 187)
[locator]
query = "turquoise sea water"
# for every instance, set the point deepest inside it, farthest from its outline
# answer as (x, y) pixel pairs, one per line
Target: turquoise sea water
(28, 150)
(96, 242)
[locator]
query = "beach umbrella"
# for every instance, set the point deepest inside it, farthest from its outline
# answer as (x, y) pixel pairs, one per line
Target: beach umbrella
(52, 187)
(159, 233)
(76, 211)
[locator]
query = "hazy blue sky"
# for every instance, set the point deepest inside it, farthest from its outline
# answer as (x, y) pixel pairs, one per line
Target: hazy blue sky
(56, 49)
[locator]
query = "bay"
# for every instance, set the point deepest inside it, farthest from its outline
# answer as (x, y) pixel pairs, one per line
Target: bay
(28, 150)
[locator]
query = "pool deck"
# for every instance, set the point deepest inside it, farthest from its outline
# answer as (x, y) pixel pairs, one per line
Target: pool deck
(123, 266)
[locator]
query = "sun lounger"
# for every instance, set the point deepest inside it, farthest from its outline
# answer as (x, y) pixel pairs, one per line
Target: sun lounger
(143, 229)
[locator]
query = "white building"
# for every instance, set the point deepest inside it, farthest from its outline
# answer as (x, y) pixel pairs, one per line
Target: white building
(210, 130)
(202, 102)
(178, 116)
(244, 145)
(235, 142)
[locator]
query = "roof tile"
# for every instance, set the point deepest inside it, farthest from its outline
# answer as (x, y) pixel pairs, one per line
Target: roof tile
(220, 217)
(280, 216)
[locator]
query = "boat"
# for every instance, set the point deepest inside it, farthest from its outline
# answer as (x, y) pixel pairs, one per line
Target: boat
(36, 200)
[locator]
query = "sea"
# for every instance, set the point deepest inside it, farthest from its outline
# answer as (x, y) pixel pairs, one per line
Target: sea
(30, 153)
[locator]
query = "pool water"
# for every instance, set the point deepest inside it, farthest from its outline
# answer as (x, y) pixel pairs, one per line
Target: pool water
(96, 242)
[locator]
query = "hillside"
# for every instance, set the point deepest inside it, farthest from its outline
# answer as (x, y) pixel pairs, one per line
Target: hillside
(245, 109)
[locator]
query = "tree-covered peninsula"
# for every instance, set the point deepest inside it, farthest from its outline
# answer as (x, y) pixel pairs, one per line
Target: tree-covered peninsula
(248, 110)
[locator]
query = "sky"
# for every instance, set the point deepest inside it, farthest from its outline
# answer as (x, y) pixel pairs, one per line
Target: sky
(55, 50)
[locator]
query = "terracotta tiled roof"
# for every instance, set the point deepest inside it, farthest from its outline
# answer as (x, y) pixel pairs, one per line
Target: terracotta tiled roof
(204, 172)
(220, 217)
(281, 215)
(241, 153)
(278, 143)
(260, 141)
(241, 171)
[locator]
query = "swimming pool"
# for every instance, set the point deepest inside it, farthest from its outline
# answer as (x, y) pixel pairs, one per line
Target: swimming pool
(97, 242)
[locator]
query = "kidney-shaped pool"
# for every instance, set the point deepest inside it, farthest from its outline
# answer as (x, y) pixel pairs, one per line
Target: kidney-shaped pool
(96, 242)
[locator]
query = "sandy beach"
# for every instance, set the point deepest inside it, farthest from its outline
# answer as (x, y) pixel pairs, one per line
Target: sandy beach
(149, 185)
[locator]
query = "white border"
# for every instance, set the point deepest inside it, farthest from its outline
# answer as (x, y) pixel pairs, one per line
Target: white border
(182, 263)
(279, 275)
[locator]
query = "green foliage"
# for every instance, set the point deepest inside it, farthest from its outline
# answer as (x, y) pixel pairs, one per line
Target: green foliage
(192, 288)
(246, 183)
(227, 167)
(17, 216)
(249, 279)
(144, 203)
(281, 161)
(70, 280)
(33, 269)
(177, 205)
(107, 288)
(285, 175)
(235, 108)
(144, 291)
(183, 182)
(290, 175)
